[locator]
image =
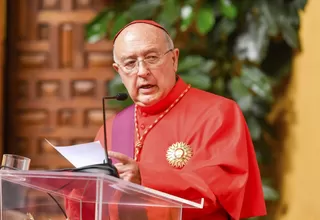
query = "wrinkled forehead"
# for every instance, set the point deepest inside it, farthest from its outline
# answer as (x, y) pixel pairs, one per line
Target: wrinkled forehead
(138, 39)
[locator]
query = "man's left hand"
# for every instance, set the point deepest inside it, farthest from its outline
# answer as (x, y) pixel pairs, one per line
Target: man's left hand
(128, 168)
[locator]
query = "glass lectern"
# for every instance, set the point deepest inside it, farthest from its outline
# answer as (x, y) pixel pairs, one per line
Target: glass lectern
(49, 195)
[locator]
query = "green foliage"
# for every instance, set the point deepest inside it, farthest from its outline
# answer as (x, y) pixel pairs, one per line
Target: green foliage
(238, 49)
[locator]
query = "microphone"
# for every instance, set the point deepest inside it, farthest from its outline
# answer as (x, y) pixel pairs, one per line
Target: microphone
(106, 167)
(119, 97)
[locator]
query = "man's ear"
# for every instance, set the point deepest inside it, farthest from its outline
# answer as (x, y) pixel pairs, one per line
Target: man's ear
(115, 67)
(175, 59)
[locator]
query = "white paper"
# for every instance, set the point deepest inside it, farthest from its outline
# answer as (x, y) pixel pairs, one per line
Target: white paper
(82, 154)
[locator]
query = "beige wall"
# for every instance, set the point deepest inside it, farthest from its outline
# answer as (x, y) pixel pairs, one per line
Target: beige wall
(301, 185)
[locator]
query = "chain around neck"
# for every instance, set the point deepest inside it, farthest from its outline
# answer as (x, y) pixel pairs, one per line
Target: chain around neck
(141, 138)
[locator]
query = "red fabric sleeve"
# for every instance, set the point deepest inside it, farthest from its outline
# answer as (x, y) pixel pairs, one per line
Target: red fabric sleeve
(100, 135)
(72, 207)
(218, 171)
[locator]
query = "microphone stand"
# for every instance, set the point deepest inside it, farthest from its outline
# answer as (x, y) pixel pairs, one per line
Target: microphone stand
(106, 167)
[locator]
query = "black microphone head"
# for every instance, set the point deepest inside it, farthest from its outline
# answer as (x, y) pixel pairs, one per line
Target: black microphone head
(121, 96)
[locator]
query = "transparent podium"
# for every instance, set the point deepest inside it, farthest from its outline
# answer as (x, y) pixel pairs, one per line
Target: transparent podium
(44, 195)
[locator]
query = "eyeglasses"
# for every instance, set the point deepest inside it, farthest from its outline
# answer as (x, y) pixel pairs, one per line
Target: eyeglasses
(153, 60)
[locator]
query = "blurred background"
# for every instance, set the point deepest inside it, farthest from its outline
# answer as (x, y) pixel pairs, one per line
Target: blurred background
(55, 65)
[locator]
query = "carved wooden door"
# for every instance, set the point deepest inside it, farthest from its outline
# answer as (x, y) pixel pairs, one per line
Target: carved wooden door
(55, 79)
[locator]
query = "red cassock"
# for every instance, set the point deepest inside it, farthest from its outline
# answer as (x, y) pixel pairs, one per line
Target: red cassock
(223, 167)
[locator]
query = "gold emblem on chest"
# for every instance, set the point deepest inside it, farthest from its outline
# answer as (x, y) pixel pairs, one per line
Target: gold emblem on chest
(179, 154)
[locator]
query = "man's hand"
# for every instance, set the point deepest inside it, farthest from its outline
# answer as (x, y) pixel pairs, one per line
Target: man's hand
(128, 168)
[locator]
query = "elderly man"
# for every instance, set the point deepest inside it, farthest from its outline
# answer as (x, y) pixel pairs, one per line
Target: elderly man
(178, 139)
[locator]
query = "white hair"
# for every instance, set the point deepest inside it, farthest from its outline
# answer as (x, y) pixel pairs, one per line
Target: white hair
(169, 41)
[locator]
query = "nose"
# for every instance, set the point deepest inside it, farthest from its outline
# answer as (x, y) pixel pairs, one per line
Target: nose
(143, 69)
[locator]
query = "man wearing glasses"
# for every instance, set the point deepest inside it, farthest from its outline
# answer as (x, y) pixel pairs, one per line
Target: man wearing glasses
(181, 140)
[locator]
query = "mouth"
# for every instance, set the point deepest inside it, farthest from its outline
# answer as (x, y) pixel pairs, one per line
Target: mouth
(147, 86)
(147, 89)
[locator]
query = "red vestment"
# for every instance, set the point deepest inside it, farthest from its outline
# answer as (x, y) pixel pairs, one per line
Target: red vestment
(223, 169)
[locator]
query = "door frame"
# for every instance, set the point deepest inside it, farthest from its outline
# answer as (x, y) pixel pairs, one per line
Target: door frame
(3, 10)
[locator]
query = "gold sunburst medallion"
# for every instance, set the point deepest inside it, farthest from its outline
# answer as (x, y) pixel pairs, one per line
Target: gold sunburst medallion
(179, 154)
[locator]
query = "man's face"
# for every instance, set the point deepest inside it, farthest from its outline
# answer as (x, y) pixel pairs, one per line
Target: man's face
(146, 64)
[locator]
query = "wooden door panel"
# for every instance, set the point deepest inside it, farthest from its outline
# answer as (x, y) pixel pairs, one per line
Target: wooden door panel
(56, 79)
